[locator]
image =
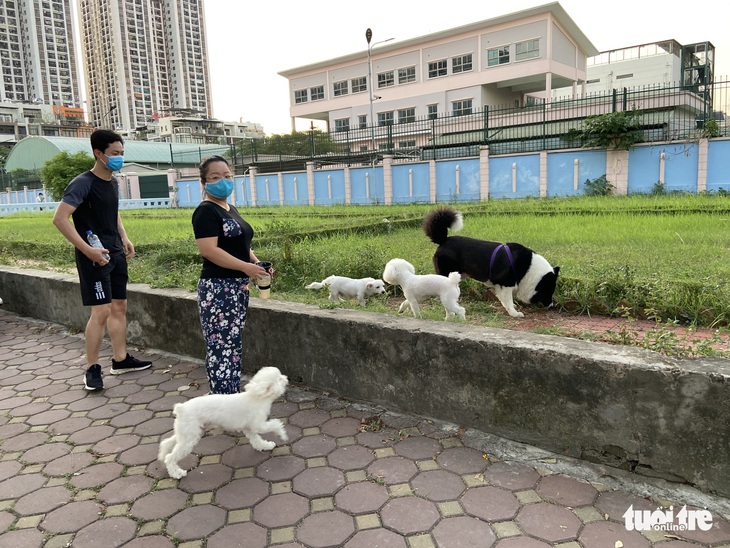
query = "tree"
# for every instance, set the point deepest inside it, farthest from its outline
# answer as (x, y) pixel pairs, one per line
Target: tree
(57, 172)
(618, 130)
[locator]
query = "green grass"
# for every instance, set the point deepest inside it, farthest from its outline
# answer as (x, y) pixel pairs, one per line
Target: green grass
(663, 257)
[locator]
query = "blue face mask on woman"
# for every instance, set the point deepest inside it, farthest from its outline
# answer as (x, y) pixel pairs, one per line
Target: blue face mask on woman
(220, 189)
(115, 163)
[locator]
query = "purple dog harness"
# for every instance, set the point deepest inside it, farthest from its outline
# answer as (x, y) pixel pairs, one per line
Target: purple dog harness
(494, 256)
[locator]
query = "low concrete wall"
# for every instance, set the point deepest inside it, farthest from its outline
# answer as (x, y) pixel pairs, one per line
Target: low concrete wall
(621, 406)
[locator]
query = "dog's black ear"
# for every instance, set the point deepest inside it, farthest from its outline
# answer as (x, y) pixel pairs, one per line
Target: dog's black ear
(556, 270)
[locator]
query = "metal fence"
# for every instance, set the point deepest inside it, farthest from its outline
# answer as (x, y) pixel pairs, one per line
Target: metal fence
(662, 112)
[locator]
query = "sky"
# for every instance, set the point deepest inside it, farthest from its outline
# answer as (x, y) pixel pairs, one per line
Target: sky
(250, 42)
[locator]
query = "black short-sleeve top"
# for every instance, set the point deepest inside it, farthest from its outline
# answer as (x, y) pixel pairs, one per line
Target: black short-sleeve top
(233, 233)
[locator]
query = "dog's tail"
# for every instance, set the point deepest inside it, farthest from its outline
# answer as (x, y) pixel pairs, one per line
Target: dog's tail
(455, 278)
(437, 224)
(320, 285)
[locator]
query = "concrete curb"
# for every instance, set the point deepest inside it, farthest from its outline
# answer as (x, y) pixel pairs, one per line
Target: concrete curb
(624, 407)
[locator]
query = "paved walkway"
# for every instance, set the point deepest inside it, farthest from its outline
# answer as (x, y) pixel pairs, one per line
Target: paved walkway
(78, 469)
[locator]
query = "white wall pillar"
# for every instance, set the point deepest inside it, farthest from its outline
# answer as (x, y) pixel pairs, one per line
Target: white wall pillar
(432, 181)
(252, 179)
(543, 174)
(388, 178)
(348, 186)
(310, 183)
(617, 172)
(133, 185)
(703, 149)
(484, 172)
(172, 187)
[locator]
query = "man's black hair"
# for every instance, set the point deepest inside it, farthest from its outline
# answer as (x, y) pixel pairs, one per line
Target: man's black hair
(102, 138)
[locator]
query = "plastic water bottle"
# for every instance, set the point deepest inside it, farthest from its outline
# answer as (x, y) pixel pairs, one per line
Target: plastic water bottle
(94, 241)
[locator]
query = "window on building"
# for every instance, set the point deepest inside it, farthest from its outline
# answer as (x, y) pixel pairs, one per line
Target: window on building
(529, 49)
(621, 76)
(385, 118)
(300, 96)
(461, 63)
(340, 88)
(407, 75)
(386, 79)
(358, 85)
(498, 56)
(437, 68)
(406, 115)
(462, 107)
(362, 121)
(433, 112)
(343, 124)
(407, 144)
(316, 93)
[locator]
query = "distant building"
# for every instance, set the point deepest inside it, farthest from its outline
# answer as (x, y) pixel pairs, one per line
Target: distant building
(142, 59)
(198, 129)
(505, 60)
(37, 53)
(20, 120)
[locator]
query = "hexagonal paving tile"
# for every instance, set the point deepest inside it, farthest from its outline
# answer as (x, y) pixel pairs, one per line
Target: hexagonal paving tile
(318, 482)
(566, 491)
(393, 470)
(376, 538)
(239, 534)
(341, 427)
(409, 515)
(438, 485)
(606, 533)
(196, 522)
(126, 489)
(280, 468)
(242, 493)
(281, 510)
(317, 445)
(116, 531)
(490, 503)
(461, 531)
(351, 457)
(418, 448)
(159, 504)
(309, 418)
(548, 522)
(515, 477)
(462, 460)
(206, 478)
(362, 497)
(325, 529)
(614, 504)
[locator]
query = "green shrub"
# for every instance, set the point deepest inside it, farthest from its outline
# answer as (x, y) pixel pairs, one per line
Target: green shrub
(599, 187)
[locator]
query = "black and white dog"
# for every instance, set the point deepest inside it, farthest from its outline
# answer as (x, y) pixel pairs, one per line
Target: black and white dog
(511, 269)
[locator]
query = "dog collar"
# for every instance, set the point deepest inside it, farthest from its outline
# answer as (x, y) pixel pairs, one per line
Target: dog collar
(494, 256)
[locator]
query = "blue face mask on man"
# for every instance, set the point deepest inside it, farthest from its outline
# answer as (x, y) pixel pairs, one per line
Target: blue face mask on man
(114, 163)
(220, 189)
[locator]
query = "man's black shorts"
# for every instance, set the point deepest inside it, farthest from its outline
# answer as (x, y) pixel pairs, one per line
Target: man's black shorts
(101, 284)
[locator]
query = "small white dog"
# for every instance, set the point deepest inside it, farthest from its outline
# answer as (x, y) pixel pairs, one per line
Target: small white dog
(246, 412)
(417, 287)
(349, 288)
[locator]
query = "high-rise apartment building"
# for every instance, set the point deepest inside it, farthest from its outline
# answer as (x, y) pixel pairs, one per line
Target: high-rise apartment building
(37, 54)
(143, 59)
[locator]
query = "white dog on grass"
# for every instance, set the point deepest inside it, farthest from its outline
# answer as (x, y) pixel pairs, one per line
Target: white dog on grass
(349, 288)
(417, 287)
(247, 412)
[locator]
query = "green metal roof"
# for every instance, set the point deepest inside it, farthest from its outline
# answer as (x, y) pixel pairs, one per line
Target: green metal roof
(32, 152)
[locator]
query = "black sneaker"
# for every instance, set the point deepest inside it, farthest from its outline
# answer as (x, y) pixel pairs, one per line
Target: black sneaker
(92, 378)
(129, 363)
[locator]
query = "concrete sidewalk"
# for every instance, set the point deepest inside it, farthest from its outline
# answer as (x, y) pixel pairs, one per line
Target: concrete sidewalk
(78, 469)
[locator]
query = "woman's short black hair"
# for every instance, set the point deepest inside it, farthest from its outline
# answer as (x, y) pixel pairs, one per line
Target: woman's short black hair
(206, 163)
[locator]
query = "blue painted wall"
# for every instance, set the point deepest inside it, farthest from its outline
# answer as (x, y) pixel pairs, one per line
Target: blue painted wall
(528, 176)
(446, 175)
(560, 171)
(718, 166)
(411, 183)
(680, 168)
(295, 188)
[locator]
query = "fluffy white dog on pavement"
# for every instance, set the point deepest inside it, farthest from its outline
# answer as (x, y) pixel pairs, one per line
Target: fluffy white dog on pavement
(349, 288)
(417, 287)
(247, 412)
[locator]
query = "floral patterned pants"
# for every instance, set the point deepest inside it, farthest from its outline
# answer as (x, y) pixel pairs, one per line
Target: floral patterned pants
(222, 306)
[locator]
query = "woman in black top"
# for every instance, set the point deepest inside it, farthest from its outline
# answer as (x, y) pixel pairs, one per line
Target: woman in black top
(229, 264)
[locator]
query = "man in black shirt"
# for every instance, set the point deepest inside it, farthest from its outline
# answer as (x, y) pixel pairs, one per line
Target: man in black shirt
(92, 200)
